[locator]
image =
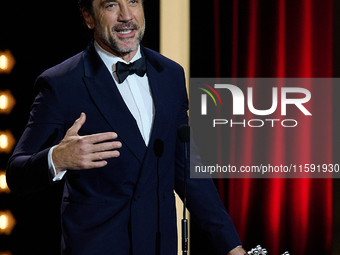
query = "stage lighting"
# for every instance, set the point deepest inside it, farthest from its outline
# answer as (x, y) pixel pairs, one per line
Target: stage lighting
(7, 61)
(3, 184)
(7, 222)
(7, 102)
(7, 141)
(5, 253)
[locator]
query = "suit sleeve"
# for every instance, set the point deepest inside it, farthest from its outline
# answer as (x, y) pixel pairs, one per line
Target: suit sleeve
(27, 169)
(203, 200)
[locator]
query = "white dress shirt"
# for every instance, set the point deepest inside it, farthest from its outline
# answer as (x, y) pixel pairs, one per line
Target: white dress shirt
(135, 91)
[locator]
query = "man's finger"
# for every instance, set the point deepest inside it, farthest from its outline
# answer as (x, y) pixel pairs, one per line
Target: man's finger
(100, 137)
(97, 160)
(100, 156)
(106, 146)
(77, 125)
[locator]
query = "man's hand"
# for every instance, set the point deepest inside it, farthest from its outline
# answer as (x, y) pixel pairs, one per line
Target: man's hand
(237, 251)
(84, 152)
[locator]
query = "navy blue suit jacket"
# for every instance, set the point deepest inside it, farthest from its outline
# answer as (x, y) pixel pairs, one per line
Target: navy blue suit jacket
(113, 210)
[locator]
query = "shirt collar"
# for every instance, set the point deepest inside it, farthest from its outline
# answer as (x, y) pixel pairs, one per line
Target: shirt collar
(110, 60)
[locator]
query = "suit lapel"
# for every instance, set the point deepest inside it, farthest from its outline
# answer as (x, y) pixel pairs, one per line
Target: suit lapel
(162, 104)
(109, 102)
(158, 79)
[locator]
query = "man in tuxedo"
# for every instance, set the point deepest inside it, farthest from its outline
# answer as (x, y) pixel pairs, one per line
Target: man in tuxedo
(106, 121)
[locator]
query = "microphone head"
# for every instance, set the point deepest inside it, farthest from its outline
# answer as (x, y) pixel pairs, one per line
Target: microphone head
(158, 148)
(183, 133)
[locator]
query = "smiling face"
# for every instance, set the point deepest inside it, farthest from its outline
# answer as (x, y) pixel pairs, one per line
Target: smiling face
(118, 25)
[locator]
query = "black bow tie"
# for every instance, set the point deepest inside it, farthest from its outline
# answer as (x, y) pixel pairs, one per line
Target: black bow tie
(124, 70)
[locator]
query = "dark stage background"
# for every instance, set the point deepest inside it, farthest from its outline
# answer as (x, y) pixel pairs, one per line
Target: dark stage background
(250, 38)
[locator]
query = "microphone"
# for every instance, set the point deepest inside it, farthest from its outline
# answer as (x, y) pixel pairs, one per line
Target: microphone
(158, 148)
(183, 133)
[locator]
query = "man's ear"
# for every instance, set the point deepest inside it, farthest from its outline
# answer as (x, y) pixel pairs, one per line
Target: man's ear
(88, 18)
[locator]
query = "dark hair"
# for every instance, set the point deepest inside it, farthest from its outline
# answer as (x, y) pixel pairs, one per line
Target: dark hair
(87, 4)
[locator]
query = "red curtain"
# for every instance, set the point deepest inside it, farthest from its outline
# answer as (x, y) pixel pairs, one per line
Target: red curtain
(282, 38)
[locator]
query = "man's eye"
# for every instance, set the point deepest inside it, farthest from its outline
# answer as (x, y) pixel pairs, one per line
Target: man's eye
(110, 6)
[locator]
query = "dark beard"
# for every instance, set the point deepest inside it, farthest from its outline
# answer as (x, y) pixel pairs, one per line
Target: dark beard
(113, 44)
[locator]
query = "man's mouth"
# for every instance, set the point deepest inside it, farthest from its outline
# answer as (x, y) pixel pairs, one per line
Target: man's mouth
(126, 31)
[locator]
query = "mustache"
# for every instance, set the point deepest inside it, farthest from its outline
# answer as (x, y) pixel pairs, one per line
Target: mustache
(127, 25)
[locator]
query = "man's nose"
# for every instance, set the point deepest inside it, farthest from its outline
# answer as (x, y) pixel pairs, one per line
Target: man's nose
(125, 13)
